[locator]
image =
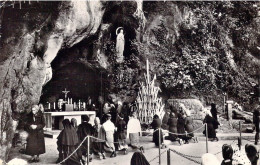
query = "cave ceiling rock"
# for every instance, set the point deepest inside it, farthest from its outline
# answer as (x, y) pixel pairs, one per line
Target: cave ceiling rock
(81, 20)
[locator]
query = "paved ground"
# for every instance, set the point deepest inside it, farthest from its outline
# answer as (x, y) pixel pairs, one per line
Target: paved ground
(195, 149)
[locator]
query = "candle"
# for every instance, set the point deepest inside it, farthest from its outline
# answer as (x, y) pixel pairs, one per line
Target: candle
(54, 105)
(68, 101)
(71, 101)
(84, 105)
(49, 106)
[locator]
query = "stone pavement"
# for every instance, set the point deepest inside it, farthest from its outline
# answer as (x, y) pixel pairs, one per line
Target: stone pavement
(196, 149)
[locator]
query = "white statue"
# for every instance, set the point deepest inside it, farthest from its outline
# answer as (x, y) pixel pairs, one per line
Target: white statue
(120, 44)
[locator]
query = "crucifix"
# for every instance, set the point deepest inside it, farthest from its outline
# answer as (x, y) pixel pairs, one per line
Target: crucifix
(65, 92)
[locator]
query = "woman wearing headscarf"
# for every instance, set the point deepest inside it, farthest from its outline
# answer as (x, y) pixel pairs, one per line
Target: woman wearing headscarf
(134, 131)
(121, 134)
(35, 141)
(252, 154)
(157, 134)
(98, 145)
(227, 153)
(211, 124)
(139, 159)
(172, 123)
(67, 142)
(181, 127)
(109, 128)
(188, 126)
(73, 122)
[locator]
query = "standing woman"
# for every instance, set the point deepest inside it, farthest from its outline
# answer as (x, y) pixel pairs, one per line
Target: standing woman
(211, 124)
(35, 142)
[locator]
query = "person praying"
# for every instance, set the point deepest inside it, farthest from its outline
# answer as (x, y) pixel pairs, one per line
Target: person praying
(211, 125)
(188, 126)
(227, 153)
(98, 144)
(252, 153)
(35, 141)
(110, 128)
(67, 142)
(172, 123)
(181, 128)
(85, 129)
(139, 159)
(74, 122)
(121, 134)
(157, 136)
(134, 131)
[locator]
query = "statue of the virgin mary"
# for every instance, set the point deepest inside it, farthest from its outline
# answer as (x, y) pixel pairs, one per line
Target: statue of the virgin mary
(120, 44)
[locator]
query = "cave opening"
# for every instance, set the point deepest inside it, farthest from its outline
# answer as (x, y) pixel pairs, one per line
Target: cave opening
(80, 79)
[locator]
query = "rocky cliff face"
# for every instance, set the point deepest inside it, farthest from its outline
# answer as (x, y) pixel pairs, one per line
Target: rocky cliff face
(31, 39)
(197, 49)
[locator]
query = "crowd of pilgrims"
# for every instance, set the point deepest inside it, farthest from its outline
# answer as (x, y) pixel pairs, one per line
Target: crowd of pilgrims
(110, 133)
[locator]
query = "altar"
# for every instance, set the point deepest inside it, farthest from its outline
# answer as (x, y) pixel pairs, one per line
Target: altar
(56, 117)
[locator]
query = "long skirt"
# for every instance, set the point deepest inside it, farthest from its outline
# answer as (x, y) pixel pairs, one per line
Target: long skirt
(156, 137)
(74, 159)
(109, 147)
(134, 140)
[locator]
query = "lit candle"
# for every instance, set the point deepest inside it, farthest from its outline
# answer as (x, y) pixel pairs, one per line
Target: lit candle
(49, 106)
(54, 105)
(79, 105)
(84, 105)
(74, 106)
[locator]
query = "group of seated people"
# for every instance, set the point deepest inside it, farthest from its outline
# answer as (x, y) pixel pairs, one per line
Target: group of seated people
(106, 137)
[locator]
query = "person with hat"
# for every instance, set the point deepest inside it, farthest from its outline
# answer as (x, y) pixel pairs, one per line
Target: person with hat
(110, 129)
(227, 153)
(252, 153)
(85, 129)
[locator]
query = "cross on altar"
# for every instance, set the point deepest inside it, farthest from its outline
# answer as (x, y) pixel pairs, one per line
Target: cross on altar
(65, 92)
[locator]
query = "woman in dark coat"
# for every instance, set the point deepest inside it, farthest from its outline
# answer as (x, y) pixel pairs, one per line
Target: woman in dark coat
(180, 126)
(156, 124)
(121, 134)
(211, 124)
(67, 142)
(35, 142)
(188, 127)
(172, 123)
(139, 159)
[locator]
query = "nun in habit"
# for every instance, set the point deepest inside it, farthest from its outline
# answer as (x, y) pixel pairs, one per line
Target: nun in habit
(67, 142)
